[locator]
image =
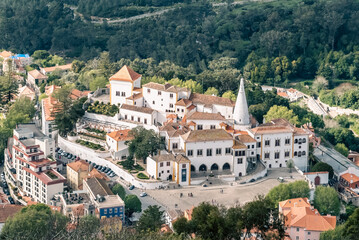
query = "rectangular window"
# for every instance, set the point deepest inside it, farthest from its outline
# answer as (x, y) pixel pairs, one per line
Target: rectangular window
(105, 211)
(161, 164)
(171, 105)
(171, 95)
(159, 93)
(199, 127)
(199, 153)
(308, 233)
(277, 142)
(148, 90)
(267, 143)
(118, 93)
(174, 145)
(239, 160)
(145, 120)
(218, 151)
(266, 155)
(276, 155)
(138, 119)
(168, 163)
(258, 144)
(183, 165)
(209, 152)
(132, 118)
(287, 141)
(123, 94)
(126, 117)
(153, 102)
(213, 126)
(228, 150)
(286, 154)
(189, 153)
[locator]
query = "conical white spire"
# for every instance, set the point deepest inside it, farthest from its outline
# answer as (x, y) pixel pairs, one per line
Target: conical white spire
(240, 114)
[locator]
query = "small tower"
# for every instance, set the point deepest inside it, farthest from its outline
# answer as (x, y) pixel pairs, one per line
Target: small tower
(241, 114)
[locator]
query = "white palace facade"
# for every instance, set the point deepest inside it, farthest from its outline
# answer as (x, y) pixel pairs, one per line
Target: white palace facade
(212, 133)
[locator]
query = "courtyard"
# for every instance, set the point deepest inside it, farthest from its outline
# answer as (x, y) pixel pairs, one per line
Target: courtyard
(222, 194)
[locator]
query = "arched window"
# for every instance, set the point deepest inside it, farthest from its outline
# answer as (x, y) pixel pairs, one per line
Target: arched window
(226, 166)
(203, 168)
(214, 167)
(193, 168)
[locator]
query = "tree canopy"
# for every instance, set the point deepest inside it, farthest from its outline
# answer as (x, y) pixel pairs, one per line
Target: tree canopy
(284, 191)
(281, 112)
(144, 143)
(132, 204)
(323, 167)
(326, 200)
(151, 219)
(119, 190)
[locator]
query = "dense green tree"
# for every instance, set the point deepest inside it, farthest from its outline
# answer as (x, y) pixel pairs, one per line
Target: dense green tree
(290, 165)
(297, 189)
(281, 112)
(340, 147)
(321, 166)
(151, 219)
(67, 111)
(351, 229)
(132, 204)
(34, 222)
(326, 200)
(336, 234)
(144, 143)
(211, 91)
(229, 94)
(119, 190)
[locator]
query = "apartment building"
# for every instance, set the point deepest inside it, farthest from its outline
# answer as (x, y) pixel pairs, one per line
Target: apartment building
(29, 165)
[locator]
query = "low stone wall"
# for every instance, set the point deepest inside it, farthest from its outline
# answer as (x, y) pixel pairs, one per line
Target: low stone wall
(99, 158)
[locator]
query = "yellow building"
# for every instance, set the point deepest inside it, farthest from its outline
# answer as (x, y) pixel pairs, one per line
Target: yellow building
(76, 172)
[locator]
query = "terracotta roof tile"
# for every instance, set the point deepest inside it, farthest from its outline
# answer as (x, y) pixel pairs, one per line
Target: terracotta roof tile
(206, 135)
(135, 96)
(8, 210)
(350, 177)
(5, 54)
(36, 74)
(205, 116)
(120, 135)
(76, 94)
(246, 139)
(125, 74)
(78, 166)
(299, 202)
(209, 100)
(95, 173)
(43, 177)
(137, 108)
(183, 102)
(49, 105)
(61, 67)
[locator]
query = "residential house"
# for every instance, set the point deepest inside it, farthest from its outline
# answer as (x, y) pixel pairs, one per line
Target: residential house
(36, 78)
(303, 221)
(49, 70)
(76, 172)
(116, 142)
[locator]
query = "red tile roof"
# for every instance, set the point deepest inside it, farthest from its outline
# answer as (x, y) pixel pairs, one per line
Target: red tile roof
(43, 177)
(8, 210)
(120, 135)
(77, 166)
(61, 67)
(350, 177)
(125, 74)
(36, 74)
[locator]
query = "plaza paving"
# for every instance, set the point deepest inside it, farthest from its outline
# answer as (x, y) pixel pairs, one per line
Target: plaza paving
(232, 195)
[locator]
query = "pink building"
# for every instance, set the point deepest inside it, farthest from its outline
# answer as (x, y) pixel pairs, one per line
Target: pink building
(302, 221)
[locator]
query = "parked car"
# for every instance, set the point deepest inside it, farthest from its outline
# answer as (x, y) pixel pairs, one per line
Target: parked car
(131, 187)
(11, 200)
(57, 149)
(143, 194)
(204, 185)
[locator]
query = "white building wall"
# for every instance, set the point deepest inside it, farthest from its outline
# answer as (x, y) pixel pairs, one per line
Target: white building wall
(165, 169)
(138, 117)
(206, 124)
(208, 161)
(226, 111)
(301, 151)
(151, 167)
(120, 90)
(272, 161)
